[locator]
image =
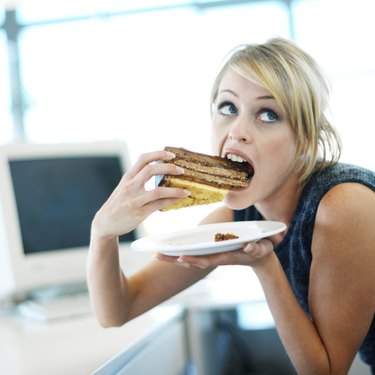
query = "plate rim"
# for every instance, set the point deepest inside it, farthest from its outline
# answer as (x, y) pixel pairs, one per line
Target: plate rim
(196, 246)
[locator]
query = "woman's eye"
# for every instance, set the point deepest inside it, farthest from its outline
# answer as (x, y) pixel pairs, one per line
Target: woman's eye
(227, 109)
(267, 115)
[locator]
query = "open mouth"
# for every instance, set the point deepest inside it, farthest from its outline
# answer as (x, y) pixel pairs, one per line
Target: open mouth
(240, 159)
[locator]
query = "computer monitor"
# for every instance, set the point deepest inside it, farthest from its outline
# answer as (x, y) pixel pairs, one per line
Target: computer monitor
(49, 194)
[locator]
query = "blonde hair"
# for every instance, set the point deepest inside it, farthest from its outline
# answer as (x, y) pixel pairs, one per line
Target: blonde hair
(296, 82)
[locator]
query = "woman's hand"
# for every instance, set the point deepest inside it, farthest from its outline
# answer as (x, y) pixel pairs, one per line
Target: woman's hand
(252, 254)
(130, 203)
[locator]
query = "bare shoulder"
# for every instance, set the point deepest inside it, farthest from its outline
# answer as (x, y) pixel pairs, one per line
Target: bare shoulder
(348, 203)
(344, 227)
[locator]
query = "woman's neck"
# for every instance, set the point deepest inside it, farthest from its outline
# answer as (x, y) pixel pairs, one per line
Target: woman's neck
(281, 206)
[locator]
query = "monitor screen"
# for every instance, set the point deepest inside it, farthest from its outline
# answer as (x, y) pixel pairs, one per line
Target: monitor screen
(49, 194)
(57, 198)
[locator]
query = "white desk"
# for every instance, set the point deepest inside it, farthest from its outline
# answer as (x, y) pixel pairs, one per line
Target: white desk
(80, 346)
(76, 346)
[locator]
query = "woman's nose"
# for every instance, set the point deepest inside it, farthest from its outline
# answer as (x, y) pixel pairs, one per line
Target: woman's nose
(240, 130)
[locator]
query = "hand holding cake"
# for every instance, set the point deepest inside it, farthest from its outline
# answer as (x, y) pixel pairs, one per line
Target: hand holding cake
(130, 203)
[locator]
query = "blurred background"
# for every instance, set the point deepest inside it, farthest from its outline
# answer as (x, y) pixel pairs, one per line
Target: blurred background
(141, 71)
(78, 71)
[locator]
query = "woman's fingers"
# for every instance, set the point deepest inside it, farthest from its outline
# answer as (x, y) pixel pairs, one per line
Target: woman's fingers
(136, 206)
(212, 260)
(166, 258)
(158, 205)
(250, 255)
(155, 169)
(130, 203)
(162, 195)
(132, 189)
(258, 249)
(147, 158)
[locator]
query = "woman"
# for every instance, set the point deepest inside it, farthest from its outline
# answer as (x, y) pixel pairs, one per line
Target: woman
(268, 105)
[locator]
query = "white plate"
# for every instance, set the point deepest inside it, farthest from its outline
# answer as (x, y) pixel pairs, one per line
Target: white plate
(201, 239)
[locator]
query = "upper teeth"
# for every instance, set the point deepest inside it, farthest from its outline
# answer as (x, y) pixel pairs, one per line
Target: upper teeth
(235, 158)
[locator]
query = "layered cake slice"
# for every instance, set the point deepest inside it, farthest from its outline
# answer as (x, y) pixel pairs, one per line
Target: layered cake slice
(208, 177)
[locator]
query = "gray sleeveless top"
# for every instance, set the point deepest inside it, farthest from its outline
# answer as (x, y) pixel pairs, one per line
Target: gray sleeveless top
(294, 251)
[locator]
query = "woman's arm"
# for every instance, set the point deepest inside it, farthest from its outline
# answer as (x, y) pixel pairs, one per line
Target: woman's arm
(129, 204)
(116, 298)
(342, 282)
(341, 290)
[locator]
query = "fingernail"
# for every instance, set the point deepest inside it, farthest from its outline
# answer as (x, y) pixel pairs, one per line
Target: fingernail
(184, 264)
(201, 266)
(180, 170)
(249, 247)
(171, 155)
(187, 192)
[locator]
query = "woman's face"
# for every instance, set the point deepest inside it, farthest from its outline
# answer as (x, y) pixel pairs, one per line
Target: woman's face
(248, 125)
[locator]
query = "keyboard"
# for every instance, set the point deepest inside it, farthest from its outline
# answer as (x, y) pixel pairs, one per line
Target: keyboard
(60, 307)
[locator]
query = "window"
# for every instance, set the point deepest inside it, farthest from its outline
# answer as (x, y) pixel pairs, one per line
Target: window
(5, 105)
(142, 77)
(342, 42)
(142, 71)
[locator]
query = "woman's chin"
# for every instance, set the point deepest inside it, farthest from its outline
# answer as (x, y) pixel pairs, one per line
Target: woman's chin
(236, 200)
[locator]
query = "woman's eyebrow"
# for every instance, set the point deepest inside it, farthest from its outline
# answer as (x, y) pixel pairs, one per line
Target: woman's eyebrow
(227, 90)
(262, 97)
(266, 97)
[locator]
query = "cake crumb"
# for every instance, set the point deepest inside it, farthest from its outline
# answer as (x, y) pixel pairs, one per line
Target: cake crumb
(224, 236)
